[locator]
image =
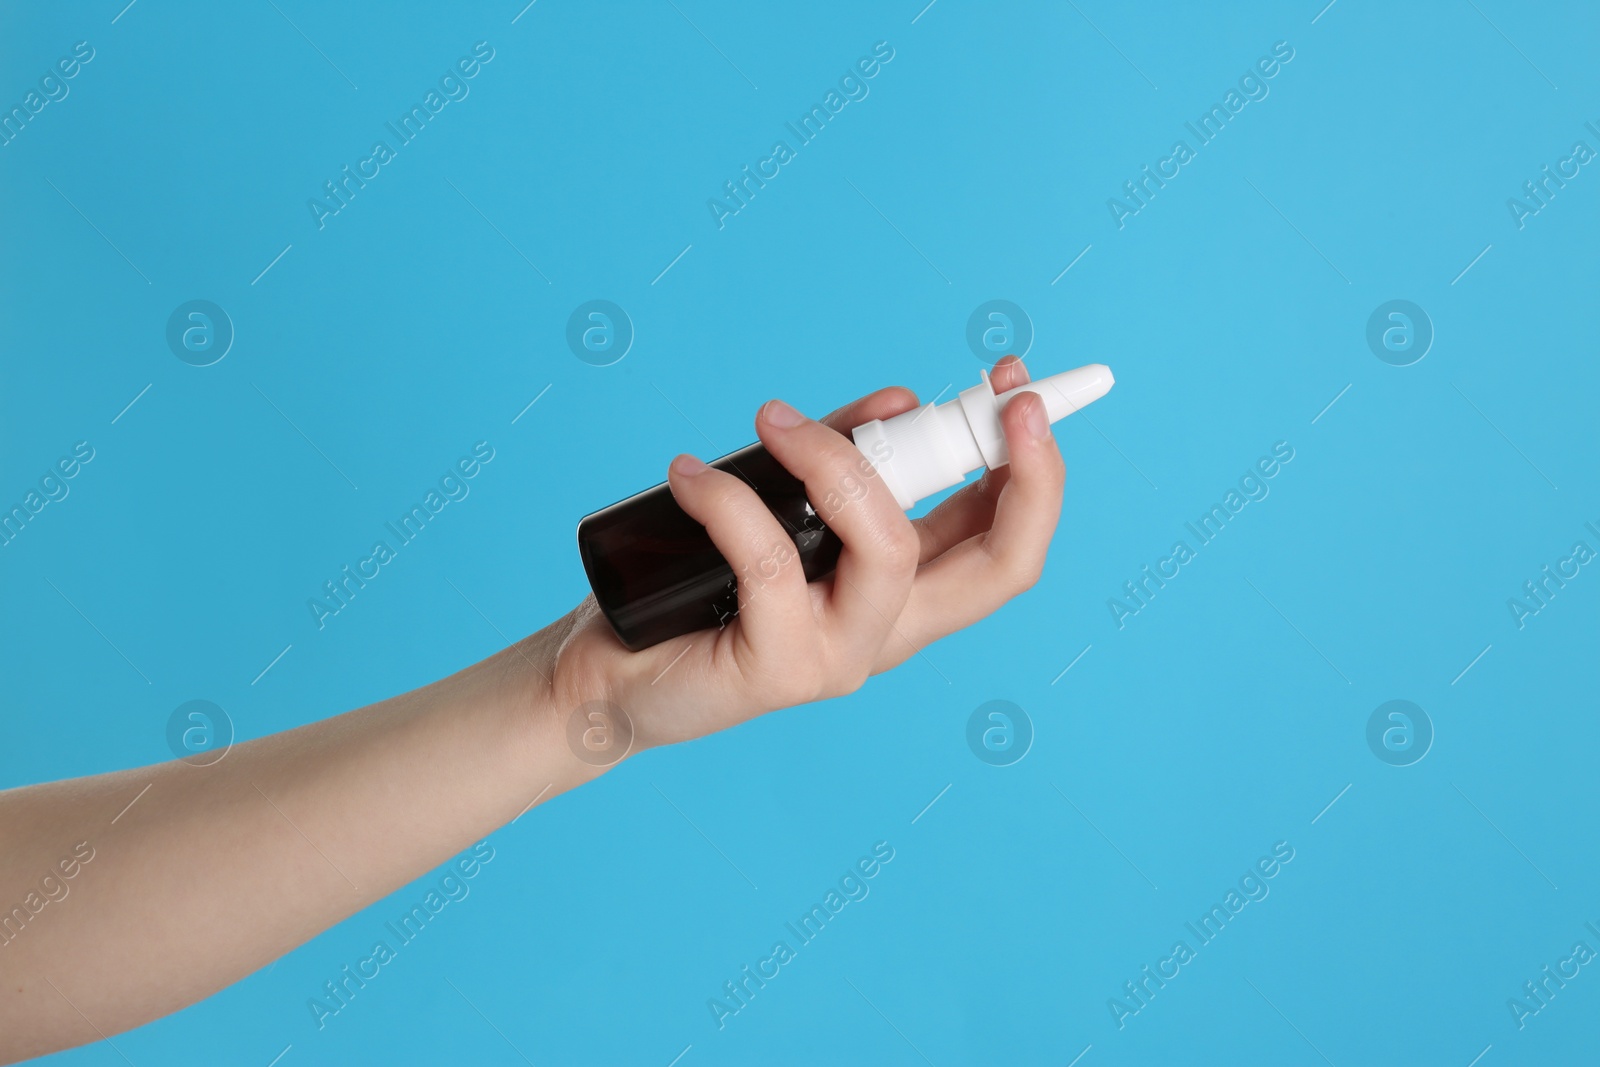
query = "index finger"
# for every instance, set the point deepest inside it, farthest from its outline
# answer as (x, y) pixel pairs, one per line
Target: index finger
(883, 404)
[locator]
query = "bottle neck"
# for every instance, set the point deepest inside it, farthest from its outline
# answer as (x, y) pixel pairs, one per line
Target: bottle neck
(922, 451)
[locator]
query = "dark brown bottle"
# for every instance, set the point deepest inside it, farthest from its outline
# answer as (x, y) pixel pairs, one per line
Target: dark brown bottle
(655, 572)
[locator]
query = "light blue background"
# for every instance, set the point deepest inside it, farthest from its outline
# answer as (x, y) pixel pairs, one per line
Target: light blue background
(1213, 725)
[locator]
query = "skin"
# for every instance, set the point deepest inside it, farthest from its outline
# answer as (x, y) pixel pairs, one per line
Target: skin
(201, 876)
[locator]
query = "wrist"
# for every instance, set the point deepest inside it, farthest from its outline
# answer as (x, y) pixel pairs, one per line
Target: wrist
(557, 717)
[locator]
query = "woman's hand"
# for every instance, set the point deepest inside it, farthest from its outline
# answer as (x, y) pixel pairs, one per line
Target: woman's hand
(320, 821)
(899, 585)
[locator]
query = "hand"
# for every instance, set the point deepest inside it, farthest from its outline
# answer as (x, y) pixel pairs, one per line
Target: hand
(899, 585)
(325, 819)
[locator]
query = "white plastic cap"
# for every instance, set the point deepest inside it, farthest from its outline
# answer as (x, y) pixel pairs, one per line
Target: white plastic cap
(935, 446)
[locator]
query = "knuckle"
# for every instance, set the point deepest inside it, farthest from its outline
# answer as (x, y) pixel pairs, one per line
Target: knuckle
(848, 478)
(1055, 463)
(1016, 573)
(845, 678)
(902, 546)
(796, 680)
(729, 492)
(1045, 467)
(1025, 573)
(713, 495)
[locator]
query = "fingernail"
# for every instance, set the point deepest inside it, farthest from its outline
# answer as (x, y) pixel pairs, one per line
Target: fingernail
(689, 465)
(782, 415)
(1034, 416)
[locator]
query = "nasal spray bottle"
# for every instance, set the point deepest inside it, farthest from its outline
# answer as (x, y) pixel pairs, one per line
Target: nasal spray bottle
(656, 574)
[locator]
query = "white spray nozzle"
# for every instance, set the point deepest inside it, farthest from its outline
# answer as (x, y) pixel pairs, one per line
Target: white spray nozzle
(935, 446)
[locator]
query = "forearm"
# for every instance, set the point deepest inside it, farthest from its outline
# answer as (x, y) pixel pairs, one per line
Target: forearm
(201, 875)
